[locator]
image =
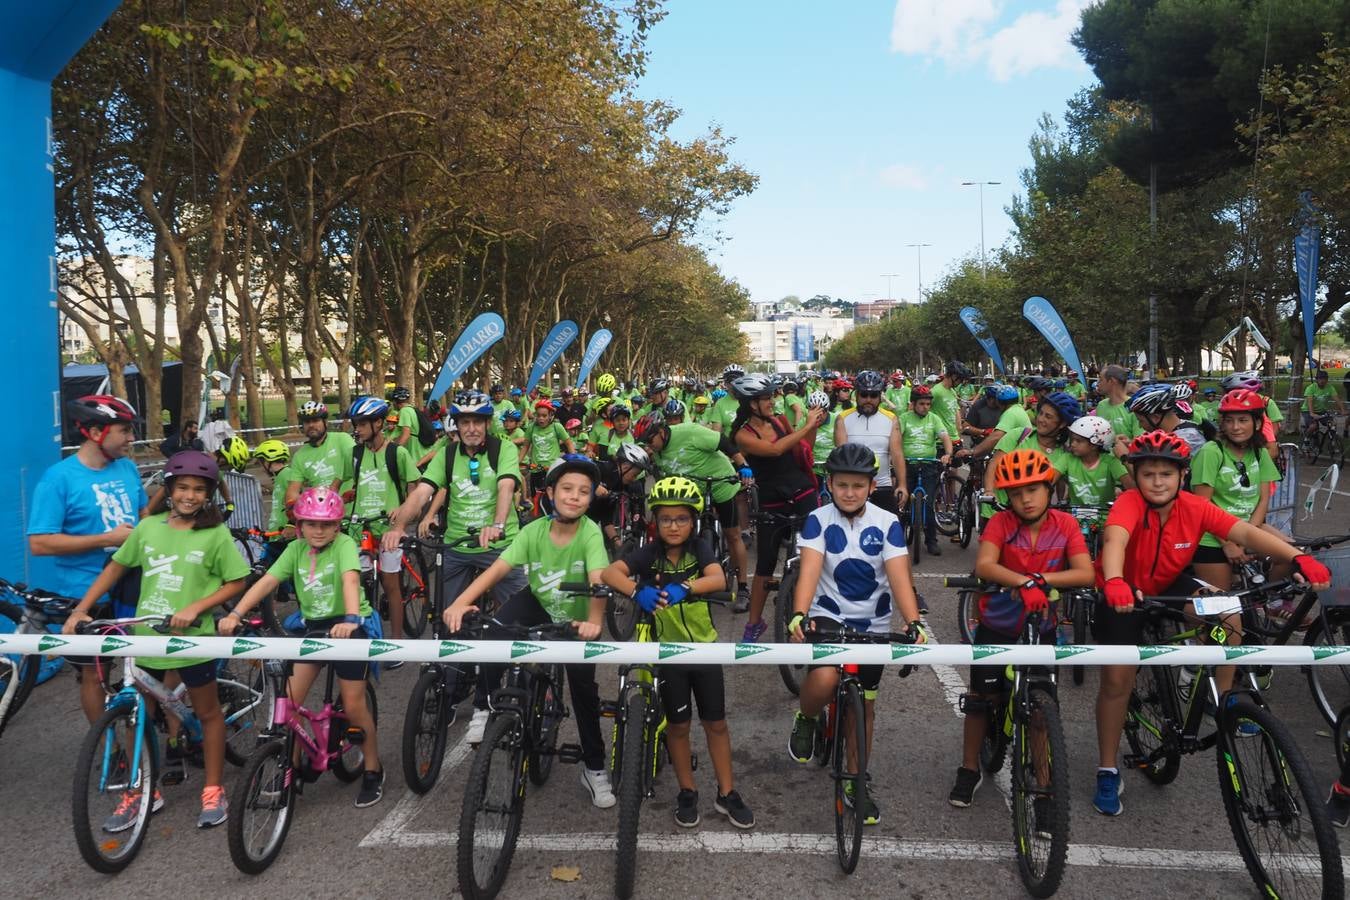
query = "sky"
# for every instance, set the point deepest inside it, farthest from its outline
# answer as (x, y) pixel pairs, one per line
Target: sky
(861, 119)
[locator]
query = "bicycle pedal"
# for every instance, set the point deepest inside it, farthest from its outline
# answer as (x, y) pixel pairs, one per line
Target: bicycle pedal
(693, 761)
(609, 708)
(355, 736)
(173, 776)
(1130, 761)
(569, 753)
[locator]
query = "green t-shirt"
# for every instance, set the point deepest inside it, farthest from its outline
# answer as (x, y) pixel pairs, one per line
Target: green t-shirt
(692, 452)
(686, 622)
(778, 405)
(796, 411)
(320, 466)
(1013, 420)
(824, 441)
(945, 406)
(320, 593)
(178, 568)
(547, 565)
(1273, 412)
(277, 520)
(474, 505)
(1075, 389)
(611, 441)
(1217, 465)
(546, 443)
(407, 418)
(376, 494)
(896, 399)
(1014, 440)
(1209, 409)
(1095, 486)
(1318, 400)
(723, 413)
(1123, 422)
(920, 435)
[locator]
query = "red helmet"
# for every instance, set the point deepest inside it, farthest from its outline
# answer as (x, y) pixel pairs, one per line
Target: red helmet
(646, 427)
(544, 404)
(1160, 445)
(1242, 400)
(95, 410)
(842, 384)
(920, 392)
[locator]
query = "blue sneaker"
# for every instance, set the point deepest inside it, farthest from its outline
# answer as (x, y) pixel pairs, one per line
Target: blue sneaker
(1109, 789)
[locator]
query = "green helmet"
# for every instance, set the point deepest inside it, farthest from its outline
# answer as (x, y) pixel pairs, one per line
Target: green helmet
(273, 450)
(606, 383)
(235, 453)
(676, 491)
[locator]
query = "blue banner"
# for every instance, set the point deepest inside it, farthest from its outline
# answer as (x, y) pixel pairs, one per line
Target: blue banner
(803, 342)
(594, 347)
(563, 334)
(474, 340)
(1039, 312)
(1307, 248)
(974, 322)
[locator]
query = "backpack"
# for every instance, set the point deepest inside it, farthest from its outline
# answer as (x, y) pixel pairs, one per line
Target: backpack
(426, 428)
(390, 463)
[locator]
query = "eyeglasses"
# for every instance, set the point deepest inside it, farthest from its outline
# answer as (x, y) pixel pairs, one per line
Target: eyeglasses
(673, 521)
(869, 393)
(473, 469)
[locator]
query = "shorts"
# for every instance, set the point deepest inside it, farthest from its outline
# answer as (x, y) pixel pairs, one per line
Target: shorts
(728, 513)
(345, 669)
(704, 683)
(194, 676)
(391, 560)
(770, 540)
(1127, 629)
(1209, 555)
(869, 677)
(993, 680)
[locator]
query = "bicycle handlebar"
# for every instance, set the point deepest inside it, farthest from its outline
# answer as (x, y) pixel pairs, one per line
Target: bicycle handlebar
(845, 635)
(471, 537)
(162, 627)
(1322, 543)
(965, 582)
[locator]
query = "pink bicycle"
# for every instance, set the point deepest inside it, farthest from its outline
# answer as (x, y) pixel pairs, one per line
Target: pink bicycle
(263, 802)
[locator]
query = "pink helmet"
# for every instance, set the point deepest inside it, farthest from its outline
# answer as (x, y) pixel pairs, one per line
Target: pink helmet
(319, 504)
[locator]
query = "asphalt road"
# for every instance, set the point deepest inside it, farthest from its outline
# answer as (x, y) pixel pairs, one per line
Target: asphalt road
(1173, 840)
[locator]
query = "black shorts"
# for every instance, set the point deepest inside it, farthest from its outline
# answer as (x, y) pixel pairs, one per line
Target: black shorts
(728, 512)
(770, 540)
(1209, 555)
(346, 669)
(1127, 629)
(194, 676)
(885, 498)
(993, 680)
(868, 676)
(703, 683)
(101, 611)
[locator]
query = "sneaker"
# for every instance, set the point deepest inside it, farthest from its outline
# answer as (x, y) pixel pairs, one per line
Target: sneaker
(1338, 807)
(1043, 814)
(128, 809)
(871, 812)
(477, 725)
(734, 808)
(215, 810)
(1109, 789)
(597, 782)
(741, 602)
(802, 740)
(968, 781)
(923, 604)
(753, 631)
(372, 789)
(686, 808)
(933, 548)
(392, 665)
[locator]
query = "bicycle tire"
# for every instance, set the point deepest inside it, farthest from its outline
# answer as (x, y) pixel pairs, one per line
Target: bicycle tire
(914, 531)
(349, 764)
(948, 517)
(994, 747)
(1149, 722)
(1330, 685)
(792, 675)
(413, 580)
(104, 851)
(848, 817)
(495, 788)
(1289, 801)
(246, 701)
(26, 667)
(546, 720)
(636, 756)
(965, 515)
(270, 761)
(1340, 735)
(426, 726)
(621, 613)
(1041, 873)
(967, 615)
(1081, 607)
(275, 611)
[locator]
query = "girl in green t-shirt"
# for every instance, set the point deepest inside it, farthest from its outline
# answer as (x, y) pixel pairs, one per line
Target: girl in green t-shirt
(325, 570)
(189, 566)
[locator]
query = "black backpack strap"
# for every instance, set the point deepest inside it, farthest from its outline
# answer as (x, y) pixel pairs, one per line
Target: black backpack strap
(395, 476)
(358, 453)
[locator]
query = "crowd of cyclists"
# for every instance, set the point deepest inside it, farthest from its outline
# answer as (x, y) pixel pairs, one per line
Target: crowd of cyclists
(522, 490)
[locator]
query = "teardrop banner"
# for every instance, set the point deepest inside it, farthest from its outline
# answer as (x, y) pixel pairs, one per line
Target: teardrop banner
(594, 347)
(975, 324)
(1041, 313)
(480, 334)
(559, 338)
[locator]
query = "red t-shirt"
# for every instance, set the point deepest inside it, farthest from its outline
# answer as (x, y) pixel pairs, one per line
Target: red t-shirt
(1155, 557)
(1060, 538)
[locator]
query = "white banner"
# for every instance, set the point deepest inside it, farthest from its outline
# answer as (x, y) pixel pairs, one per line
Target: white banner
(725, 654)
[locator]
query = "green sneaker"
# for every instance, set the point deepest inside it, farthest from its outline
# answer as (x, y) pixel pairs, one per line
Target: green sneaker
(871, 812)
(802, 741)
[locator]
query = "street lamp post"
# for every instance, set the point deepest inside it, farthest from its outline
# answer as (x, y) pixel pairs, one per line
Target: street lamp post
(919, 252)
(888, 277)
(984, 268)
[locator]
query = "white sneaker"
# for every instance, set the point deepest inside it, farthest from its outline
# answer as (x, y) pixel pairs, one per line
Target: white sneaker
(476, 726)
(597, 782)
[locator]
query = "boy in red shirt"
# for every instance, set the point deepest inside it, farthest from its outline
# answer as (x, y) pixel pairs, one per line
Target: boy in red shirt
(1150, 538)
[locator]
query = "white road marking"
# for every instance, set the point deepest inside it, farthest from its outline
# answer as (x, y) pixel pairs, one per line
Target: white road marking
(391, 827)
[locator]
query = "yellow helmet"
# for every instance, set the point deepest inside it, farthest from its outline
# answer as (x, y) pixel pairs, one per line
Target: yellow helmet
(676, 490)
(235, 453)
(273, 450)
(606, 383)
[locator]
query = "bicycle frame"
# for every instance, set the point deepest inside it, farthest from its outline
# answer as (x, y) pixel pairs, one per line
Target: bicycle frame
(293, 717)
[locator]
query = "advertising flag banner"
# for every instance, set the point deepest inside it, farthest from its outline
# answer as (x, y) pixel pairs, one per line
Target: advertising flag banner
(480, 334)
(974, 322)
(1042, 314)
(558, 340)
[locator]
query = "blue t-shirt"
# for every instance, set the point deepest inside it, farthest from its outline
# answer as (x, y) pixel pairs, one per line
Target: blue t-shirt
(72, 498)
(853, 588)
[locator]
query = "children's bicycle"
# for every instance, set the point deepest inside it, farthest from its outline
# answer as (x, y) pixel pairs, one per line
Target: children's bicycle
(40, 613)
(919, 508)
(299, 747)
(412, 579)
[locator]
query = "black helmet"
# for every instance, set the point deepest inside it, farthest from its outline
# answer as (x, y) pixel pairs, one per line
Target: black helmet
(869, 382)
(852, 459)
(401, 394)
(657, 386)
(96, 410)
(957, 369)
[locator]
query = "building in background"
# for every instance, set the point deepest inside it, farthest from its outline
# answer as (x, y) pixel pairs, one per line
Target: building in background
(792, 343)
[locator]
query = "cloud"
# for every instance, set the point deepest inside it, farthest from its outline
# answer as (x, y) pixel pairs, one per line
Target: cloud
(904, 177)
(964, 32)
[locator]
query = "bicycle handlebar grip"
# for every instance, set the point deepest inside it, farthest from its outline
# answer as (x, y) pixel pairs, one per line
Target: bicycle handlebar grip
(576, 587)
(715, 597)
(962, 581)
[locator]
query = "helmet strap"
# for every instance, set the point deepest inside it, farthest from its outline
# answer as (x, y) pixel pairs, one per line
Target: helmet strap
(98, 441)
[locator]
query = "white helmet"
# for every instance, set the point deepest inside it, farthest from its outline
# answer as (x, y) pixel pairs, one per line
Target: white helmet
(1095, 430)
(818, 400)
(634, 455)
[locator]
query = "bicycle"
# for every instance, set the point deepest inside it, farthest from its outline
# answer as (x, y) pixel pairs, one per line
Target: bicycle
(918, 509)
(439, 689)
(1270, 795)
(41, 612)
(412, 577)
(1321, 437)
(1076, 607)
(263, 801)
(519, 745)
(946, 505)
(621, 613)
(1026, 719)
(711, 529)
(841, 741)
(783, 589)
(968, 514)
(106, 775)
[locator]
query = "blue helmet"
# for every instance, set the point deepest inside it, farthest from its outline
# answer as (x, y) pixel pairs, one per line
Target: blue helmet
(673, 407)
(1005, 393)
(1065, 405)
(364, 408)
(718, 395)
(472, 403)
(517, 392)
(512, 414)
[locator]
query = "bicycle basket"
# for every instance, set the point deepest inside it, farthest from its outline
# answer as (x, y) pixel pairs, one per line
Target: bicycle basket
(1337, 559)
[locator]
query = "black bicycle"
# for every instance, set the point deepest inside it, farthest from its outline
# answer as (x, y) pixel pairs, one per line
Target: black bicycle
(784, 588)
(621, 613)
(39, 611)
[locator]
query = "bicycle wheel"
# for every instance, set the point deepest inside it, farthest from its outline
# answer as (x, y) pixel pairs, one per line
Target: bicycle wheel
(25, 668)
(1330, 685)
(635, 761)
(965, 518)
(494, 803)
(547, 718)
(113, 793)
(967, 615)
(994, 747)
(1080, 606)
(621, 612)
(1040, 796)
(277, 607)
(1275, 807)
(1341, 736)
(425, 729)
(792, 675)
(914, 530)
(946, 506)
(850, 785)
(416, 599)
(261, 808)
(1149, 724)
(349, 764)
(247, 701)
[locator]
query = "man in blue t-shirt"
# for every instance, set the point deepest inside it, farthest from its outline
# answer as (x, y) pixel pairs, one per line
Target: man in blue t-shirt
(85, 506)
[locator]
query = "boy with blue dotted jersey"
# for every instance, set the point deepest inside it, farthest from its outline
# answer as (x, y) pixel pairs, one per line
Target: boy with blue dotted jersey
(854, 573)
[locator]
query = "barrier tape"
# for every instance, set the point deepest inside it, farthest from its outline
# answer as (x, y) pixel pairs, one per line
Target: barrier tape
(324, 650)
